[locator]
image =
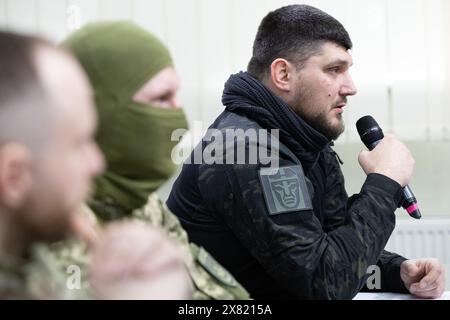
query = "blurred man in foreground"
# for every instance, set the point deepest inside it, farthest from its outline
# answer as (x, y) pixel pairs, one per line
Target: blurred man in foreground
(47, 160)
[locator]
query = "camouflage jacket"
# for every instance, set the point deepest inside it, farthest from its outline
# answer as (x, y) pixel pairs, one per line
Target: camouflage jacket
(210, 279)
(46, 274)
(59, 271)
(291, 232)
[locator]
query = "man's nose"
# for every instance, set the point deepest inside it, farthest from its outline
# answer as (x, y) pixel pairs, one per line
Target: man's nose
(348, 88)
(97, 161)
(174, 102)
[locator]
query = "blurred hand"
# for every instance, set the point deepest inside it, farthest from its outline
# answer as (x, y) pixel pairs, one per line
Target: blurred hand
(390, 158)
(424, 278)
(133, 260)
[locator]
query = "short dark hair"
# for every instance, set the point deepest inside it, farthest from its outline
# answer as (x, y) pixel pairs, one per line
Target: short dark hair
(17, 68)
(294, 33)
(21, 91)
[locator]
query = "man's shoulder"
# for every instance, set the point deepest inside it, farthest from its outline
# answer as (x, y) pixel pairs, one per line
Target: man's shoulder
(210, 279)
(46, 274)
(12, 282)
(156, 213)
(233, 120)
(59, 270)
(235, 139)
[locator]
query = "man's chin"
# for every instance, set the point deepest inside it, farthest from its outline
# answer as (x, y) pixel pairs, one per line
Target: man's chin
(56, 234)
(337, 123)
(334, 131)
(330, 125)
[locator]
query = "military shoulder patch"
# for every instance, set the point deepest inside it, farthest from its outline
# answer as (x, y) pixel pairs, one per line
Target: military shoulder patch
(285, 189)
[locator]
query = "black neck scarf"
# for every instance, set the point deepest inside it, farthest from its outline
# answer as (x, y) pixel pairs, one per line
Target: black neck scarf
(246, 95)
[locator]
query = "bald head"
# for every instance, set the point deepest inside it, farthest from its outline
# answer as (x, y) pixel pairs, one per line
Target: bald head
(24, 103)
(35, 77)
(62, 79)
(47, 122)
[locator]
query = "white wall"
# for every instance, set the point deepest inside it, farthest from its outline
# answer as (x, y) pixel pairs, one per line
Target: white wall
(401, 54)
(400, 50)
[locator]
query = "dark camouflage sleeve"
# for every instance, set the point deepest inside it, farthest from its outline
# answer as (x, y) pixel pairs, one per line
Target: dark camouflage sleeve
(335, 202)
(389, 264)
(293, 247)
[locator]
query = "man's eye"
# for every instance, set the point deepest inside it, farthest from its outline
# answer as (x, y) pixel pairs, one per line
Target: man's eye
(335, 69)
(165, 97)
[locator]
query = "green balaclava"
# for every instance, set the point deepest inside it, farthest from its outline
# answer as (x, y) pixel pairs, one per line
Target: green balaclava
(119, 57)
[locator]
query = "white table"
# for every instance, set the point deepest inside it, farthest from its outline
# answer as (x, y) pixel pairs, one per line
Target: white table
(393, 296)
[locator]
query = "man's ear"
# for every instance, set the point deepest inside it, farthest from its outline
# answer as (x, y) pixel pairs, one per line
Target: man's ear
(15, 175)
(281, 74)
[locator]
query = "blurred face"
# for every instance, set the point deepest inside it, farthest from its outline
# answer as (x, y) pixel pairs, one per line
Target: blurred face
(322, 87)
(160, 90)
(63, 170)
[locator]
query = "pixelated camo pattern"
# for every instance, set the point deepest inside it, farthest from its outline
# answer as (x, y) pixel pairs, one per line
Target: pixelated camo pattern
(51, 274)
(211, 280)
(45, 275)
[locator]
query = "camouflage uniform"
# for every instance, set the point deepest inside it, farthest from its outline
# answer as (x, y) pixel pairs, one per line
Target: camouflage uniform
(293, 233)
(210, 279)
(45, 275)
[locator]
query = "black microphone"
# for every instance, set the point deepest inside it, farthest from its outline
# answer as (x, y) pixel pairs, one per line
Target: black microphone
(371, 134)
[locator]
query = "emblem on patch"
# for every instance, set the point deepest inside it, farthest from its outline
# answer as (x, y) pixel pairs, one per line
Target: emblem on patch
(285, 189)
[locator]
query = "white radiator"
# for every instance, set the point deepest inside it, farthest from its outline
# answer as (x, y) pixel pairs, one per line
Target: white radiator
(423, 238)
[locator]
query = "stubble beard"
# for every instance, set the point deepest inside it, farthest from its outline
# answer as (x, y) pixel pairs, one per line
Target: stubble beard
(319, 120)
